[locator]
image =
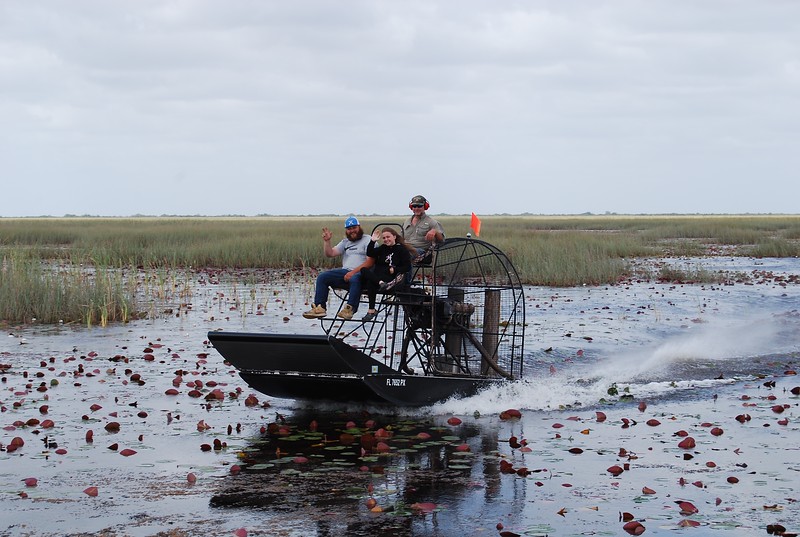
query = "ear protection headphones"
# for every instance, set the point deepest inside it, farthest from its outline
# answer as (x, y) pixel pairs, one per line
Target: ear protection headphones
(425, 206)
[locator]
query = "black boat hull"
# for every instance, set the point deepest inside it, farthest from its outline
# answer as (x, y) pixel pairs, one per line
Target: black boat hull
(318, 367)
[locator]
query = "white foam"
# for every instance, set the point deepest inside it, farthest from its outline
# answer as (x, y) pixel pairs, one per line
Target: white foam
(630, 371)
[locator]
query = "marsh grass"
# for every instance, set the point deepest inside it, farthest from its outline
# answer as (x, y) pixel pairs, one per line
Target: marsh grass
(31, 291)
(571, 258)
(669, 273)
(546, 250)
(780, 247)
(171, 242)
(292, 242)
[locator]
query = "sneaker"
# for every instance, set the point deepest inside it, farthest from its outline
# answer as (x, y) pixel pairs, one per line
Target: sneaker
(316, 312)
(368, 317)
(346, 313)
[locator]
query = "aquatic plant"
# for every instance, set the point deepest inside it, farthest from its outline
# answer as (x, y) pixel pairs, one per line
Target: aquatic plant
(31, 291)
(669, 273)
(775, 248)
(584, 248)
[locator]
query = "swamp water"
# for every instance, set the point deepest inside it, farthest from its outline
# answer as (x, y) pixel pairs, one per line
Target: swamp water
(619, 377)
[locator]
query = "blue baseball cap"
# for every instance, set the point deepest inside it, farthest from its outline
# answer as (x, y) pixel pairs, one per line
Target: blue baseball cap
(351, 221)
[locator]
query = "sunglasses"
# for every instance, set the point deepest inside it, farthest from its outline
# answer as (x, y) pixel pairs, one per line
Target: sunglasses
(351, 228)
(417, 206)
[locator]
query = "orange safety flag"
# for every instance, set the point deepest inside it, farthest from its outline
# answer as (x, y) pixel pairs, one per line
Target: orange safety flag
(475, 224)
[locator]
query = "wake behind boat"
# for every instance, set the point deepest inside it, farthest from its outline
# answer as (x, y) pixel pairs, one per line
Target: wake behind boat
(456, 329)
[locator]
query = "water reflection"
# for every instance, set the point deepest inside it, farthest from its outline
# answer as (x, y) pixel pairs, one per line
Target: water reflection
(423, 476)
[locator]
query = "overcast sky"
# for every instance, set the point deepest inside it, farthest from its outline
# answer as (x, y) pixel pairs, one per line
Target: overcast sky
(306, 107)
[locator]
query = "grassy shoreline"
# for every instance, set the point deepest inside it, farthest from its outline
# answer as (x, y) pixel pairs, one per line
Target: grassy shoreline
(558, 251)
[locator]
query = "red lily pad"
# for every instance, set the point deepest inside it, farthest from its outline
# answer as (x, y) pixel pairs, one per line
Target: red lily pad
(687, 508)
(634, 528)
(425, 507)
(510, 414)
(615, 470)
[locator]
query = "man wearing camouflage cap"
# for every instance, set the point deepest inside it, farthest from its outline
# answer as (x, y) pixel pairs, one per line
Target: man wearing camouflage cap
(420, 230)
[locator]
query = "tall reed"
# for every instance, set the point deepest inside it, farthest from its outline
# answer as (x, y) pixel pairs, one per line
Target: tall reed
(775, 248)
(32, 292)
(547, 250)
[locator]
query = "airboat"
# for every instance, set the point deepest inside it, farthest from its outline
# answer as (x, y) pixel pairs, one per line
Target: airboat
(456, 328)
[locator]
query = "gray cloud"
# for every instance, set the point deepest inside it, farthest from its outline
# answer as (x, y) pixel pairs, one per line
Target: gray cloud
(247, 107)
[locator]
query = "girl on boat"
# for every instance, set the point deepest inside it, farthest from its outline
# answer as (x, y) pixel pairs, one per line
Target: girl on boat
(392, 262)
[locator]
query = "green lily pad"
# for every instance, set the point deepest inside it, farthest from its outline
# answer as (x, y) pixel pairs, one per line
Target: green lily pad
(291, 471)
(261, 466)
(292, 438)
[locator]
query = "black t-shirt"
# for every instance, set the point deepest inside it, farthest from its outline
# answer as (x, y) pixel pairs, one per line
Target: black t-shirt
(397, 257)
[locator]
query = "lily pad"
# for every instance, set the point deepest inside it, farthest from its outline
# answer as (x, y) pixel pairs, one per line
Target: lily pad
(261, 466)
(291, 471)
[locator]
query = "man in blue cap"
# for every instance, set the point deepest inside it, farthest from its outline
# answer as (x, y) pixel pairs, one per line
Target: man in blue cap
(353, 249)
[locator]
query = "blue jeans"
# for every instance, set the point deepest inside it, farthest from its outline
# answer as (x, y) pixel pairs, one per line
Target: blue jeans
(335, 278)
